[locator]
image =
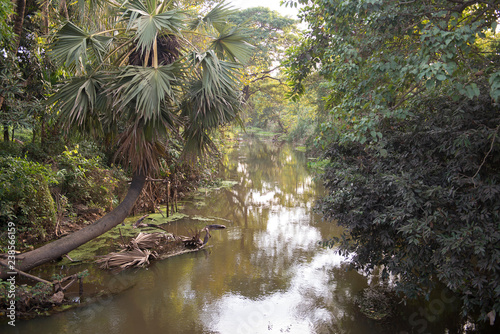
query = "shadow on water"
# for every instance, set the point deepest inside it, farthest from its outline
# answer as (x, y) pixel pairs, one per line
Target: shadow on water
(265, 273)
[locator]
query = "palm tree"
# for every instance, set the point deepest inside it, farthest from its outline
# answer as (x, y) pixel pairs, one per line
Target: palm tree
(143, 82)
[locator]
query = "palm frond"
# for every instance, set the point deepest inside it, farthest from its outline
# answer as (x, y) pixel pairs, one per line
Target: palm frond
(149, 240)
(140, 146)
(147, 88)
(81, 100)
(122, 260)
(231, 42)
(168, 51)
(149, 23)
(72, 44)
(217, 17)
(212, 99)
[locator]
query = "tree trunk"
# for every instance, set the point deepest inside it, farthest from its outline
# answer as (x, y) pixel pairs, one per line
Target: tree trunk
(18, 22)
(57, 248)
(5, 132)
(18, 30)
(45, 17)
(63, 9)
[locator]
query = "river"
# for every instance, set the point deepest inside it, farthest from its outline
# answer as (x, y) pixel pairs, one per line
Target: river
(265, 273)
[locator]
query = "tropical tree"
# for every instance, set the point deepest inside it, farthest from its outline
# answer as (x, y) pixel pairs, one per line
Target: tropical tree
(381, 56)
(413, 139)
(141, 83)
(272, 35)
(20, 67)
(265, 86)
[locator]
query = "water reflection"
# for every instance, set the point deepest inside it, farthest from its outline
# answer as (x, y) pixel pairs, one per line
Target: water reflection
(303, 307)
(265, 273)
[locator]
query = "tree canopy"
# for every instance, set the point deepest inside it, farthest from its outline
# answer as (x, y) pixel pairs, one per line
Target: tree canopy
(413, 138)
(381, 56)
(140, 80)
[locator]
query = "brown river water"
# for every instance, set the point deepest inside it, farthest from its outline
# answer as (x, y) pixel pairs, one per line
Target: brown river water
(265, 273)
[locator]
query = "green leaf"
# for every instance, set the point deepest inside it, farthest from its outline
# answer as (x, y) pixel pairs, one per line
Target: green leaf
(494, 82)
(232, 43)
(217, 17)
(441, 77)
(430, 84)
(150, 26)
(72, 44)
(146, 89)
(80, 100)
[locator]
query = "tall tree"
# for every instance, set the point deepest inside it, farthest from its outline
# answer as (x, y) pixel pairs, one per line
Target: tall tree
(272, 35)
(413, 139)
(141, 82)
(381, 56)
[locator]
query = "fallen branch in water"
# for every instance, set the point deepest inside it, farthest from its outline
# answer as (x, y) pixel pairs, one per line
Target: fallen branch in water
(146, 246)
(22, 273)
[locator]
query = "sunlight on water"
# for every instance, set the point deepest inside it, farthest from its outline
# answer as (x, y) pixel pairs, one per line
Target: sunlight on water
(293, 310)
(264, 273)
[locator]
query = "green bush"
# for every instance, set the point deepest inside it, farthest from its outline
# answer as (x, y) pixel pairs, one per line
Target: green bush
(85, 181)
(10, 149)
(25, 197)
(426, 206)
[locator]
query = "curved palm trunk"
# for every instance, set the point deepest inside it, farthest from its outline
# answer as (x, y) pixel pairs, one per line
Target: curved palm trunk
(57, 248)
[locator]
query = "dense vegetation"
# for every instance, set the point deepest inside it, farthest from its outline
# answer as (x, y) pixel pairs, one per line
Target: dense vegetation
(92, 94)
(402, 96)
(413, 139)
(266, 86)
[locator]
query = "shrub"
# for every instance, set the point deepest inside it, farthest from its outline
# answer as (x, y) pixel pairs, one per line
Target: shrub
(10, 149)
(25, 196)
(426, 206)
(85, 181)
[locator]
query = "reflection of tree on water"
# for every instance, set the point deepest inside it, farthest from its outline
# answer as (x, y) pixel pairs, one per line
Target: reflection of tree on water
(273, 173)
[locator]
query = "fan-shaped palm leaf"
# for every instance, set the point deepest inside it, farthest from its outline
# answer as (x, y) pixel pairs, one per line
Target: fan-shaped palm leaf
(217, 17)
(149, 21)
(72, 44)
(147, 88)
(232, 43)
(212, 98)
(154, 96)
(80, 101)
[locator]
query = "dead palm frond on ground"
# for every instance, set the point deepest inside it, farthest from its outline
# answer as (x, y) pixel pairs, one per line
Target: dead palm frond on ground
(126, 259)
(146, 246)
(178, 91)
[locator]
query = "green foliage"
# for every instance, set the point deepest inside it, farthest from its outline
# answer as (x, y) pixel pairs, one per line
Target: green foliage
(318, 164)
(412, 134)
(428, 208)
(25, 196)
(6, 9)
(85, 181)
(296, 119)
(272, 33)
(10, 149)
(28, 298)
(380, 57)
(143, 81)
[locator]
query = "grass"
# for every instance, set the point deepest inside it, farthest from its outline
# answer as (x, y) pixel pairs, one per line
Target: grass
(259, 132)
(300, 148)
(318, 165)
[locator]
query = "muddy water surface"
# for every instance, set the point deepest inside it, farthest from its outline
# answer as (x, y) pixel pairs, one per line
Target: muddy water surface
(265, 273)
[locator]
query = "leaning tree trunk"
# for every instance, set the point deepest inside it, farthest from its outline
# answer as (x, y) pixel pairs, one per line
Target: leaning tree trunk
(57, 248)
